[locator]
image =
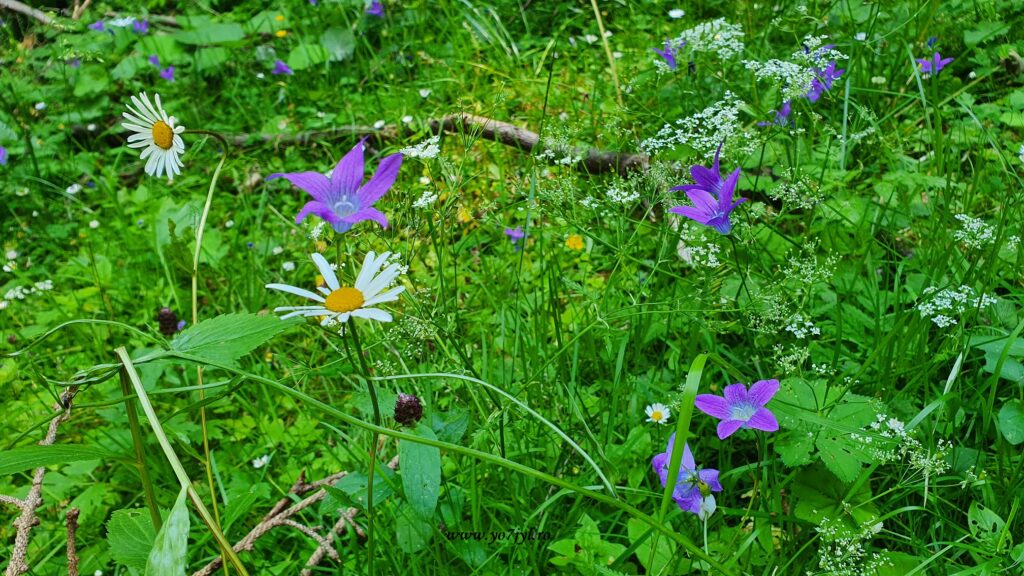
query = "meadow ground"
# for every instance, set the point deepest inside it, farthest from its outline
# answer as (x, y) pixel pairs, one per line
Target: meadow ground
(512, 254)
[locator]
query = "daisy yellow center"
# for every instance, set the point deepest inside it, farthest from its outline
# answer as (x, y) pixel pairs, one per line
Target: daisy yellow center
(344, 299)
(163, 135)
(656, 415)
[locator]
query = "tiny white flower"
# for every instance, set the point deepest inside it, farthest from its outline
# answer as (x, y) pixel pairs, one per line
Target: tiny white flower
(878, 79)
(424, 92)
(972, 75)
(1020, 153)
(277, 250)
(590, 38)
(90, 127)
(424, 180)
(379, 124)
(616, 55)
(229, 223)
(94, 224)
(73, 189)
(40, 105)
(12, 254)
(261, 461)
(407, 119)
(860, 36)
(288, 266)
(320, 114)
(658, 413)
(260, 75)
(21, 192)
(676, 13)
(98, 573)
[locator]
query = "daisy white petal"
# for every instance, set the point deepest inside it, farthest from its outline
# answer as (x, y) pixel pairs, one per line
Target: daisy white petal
(296, 291)
(326, 271)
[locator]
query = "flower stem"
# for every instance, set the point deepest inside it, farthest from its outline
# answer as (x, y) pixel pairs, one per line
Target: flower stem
(373, 447)
(140, 459)
(739, 269)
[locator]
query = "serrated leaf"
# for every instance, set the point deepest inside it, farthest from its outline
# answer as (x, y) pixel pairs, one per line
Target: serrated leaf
(170, 548)
(339, 42)
(30, 457)
(794, 447)
(228, 337)
(421, 472)
(1011, 421)
(130, 535)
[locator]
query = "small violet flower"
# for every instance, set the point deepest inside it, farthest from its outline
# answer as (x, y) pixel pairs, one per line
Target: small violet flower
(98, 26)
(933, 66)
(141, 26)
(694, 486)
(168, 73)
(741, 408)
(711, 196)
(515, 235)
(342, 200)
(3, 156)
(668, 54)
(154, 60)
(375, 9)
(781, 115)
(281, 68)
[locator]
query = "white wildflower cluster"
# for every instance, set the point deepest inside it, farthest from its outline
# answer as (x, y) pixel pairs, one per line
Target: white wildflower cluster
(589, 202)
(695, 248)
(843, 551)
(717, 36)
(260, 462)
(396, 258)
(802, 328)
(559, 149)
(789, 360)
(771, 313)
(620, 193)
(425, 150)
(949, 302)
(706, 130)
(902, 446)
(1012, 242)
(974, 232)
(796, 74)
(22, 292)
(426, 200)
(807, 267)
(318, 231)
(798, 191)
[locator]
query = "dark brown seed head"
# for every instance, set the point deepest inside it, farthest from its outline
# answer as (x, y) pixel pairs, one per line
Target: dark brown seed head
(408, 410)
(168, 321)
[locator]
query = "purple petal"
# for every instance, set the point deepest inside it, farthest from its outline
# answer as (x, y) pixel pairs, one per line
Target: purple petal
(706, 178)
(729, 187)
(660, 465)
(348, 173)
(703, 201)
(713, 405)
(688, 499)
(318, 208)
(691, 213)
(727, 427)
(688, 463)
(368, 213)
(763, 419)
(315, 183)
(762, 391)
(382, 180)
(710, 477)
(735, 393)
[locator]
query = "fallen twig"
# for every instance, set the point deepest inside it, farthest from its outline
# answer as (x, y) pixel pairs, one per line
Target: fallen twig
(26, 10)
(72, 522)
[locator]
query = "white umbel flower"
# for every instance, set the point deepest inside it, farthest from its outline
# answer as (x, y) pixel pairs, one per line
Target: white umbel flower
(337, 303)
(157, 134)
(658, 413)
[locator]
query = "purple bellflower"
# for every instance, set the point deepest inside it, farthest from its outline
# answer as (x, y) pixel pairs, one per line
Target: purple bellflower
(168, 73)
(781, 115)
(281, 68)
(375, 9)
(342, 200)
(741, 408)
(711, 196)
(933, 66)
(668, 54)
(823, 82)
(141, 26)
(515, 235)
(694, 486)
(98, 26)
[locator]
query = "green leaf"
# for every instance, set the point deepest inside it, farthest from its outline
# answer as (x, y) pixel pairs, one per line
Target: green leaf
(170, 548)
(352, 488)
(339, 42)
(984, 31)
(92, 79)
(126, 68)
(212, 34)
(412, 532)
(662, 556)
(1011, 421)
(227, 337)
(421, 472)
(305, 55)
(30, 457)
(130, 535)
(794, 447)
(986, 526)
(211, 58)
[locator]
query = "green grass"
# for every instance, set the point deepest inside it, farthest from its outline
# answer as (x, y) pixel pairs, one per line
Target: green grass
(900, 431)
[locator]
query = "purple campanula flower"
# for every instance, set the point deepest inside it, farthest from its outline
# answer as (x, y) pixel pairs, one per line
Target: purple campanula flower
(824, 80)
(741, 408)
(341, 200)
(168, 73)
(141, 26)
(668, 54)
(515, 234)
(933, 66)
(711, 196)
(781, 115)
(281, 68)
(154, 60)
(375, 9)
(98, 26)
(694, 486)
(3, 156)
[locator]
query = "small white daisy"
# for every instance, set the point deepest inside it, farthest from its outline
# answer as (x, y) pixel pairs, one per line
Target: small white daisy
(156, 132)
(658, 413)
(407, 119)
(338, 303)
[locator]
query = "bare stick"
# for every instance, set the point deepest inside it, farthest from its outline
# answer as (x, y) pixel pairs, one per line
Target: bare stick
(79, 9)
(72, 521)
(26, 10)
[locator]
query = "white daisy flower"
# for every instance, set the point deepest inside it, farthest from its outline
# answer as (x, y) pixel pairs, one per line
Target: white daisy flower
(658, 413)
(338, 303)
(156, 132)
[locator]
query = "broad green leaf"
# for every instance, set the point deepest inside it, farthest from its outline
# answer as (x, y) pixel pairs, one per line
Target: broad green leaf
(1011, 421)
(339, 43)
(986, 526)
(170, 548)
(983, 32)
(451, 426)
(211, 58)
(662, 556)
(412, 532)
(221, 33)
(30, 457)
(92, 79)
(130, 535)
(305, 55)
(352, 487)
(794, 447)
(421, 472)
(227, 337)
(126, 68)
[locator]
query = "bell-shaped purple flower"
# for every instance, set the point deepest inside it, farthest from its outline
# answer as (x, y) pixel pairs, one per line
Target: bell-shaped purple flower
(281, 68)
(711, 196)
(741, 408)
(781, 115)
(342, 200)
(694, 486)
(823, 81)
(375, 9)
(668, 54)
(933, 66)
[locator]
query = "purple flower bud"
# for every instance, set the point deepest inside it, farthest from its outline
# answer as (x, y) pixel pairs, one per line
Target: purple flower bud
(141, 26)
(154, 60)
(375, 9)
(281, 68)
(408, 410)
(168, 73)
(98, 26)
